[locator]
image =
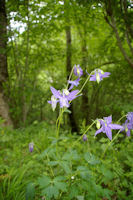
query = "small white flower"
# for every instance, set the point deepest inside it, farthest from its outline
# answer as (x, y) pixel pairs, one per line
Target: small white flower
(72, 177)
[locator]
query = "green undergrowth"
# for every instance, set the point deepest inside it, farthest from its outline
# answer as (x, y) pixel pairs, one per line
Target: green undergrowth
(71, 170)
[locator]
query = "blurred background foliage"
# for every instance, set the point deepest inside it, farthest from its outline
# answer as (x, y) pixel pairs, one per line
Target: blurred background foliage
(37, 56)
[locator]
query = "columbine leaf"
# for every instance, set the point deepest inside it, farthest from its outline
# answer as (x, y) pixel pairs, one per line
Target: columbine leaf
(59, 178)
(65, 166)
(72, 155)
(91, 159)
(61, 186)
(44, 181)
(73, 191)
(53, 163)
(84, 172)
(50, 192)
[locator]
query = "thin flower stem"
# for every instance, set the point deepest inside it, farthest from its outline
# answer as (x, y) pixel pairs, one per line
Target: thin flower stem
(59, 117)
(50, 166)
(121, 118)
(83, 134)
(58, 128)
(85, 83)
(70, 76)
(110, 144)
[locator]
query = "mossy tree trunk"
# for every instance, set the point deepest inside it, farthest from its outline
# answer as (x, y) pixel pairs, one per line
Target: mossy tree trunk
(4, 109)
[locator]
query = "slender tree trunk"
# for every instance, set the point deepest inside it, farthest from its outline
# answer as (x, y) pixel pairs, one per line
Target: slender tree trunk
(4, 109)
(68, 59)
(69, 68)
(85, 100)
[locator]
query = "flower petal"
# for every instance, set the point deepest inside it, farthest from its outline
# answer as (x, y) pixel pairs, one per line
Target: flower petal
(115, 126)
(106, 74)
(93, 78)
(128, 133)
(50, 102)
(72, 95)
(108, 132)
(99, 131)
(108, 119)
(55, 92)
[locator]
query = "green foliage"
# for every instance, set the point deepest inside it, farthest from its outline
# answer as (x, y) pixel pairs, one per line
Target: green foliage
(75, 172)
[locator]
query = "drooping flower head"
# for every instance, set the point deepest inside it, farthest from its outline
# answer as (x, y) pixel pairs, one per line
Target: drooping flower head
(74, 83)
(31, 146)
(63, 98)
(128, 125)
(107, 126)
(78, 71)
(99, 75)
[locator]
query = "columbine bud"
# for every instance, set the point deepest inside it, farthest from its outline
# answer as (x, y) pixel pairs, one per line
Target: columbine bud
(31, 146)
(98, 124)
(85, 138)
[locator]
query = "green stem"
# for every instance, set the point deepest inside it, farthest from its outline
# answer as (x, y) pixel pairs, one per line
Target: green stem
(110, 144)
(58, 127)
(85, 83)
(83, 134)
(121, 118)
(70, 76)
(50, 166)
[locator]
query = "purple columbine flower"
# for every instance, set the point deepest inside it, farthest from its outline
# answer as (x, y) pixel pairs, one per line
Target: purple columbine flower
(107, 126)
(65, 97)
(78, 71)
(74, 83)
(128, 125)
(85, 138)
(31, 146)
(99, 75)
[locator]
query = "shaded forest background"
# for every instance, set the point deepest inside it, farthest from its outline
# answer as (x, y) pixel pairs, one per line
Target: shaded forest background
(40, 41)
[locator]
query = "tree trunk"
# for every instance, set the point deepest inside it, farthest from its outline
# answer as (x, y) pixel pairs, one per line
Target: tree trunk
(69, 68)
(4, 109)
(85, 100)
